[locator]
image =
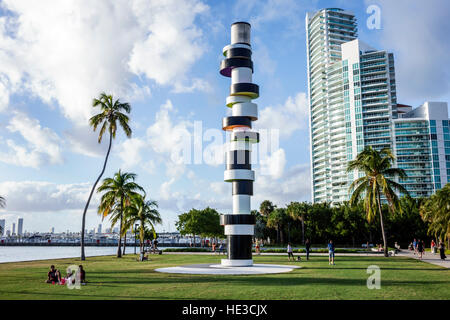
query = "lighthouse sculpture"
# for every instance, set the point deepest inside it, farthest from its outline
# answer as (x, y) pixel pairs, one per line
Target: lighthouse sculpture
(238, 65)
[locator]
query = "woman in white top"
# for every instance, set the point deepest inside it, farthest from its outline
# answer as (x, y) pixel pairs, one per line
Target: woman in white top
(289, 251)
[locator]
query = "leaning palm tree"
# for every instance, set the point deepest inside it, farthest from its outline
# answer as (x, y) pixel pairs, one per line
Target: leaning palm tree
(377, 181)
(117, 194)
(2, 202)
(111, 113)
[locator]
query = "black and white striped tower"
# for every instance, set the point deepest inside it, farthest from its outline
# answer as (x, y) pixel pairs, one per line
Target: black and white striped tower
(239, 226)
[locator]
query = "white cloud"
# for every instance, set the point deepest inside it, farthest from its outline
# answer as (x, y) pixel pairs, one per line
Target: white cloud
(293, 185)
(167, 137)
(197, 85)
(258, 12)
(42, 146)
(70, 51)
(130, 152)
(38, 196)
(417, 32)
(83, 140)
(172, 37)
(274, 164)
(287, 118)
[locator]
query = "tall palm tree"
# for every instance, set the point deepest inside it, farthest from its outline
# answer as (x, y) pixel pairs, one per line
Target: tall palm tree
(2, 202)
(377, 181)
(118, 193)
(107, 119)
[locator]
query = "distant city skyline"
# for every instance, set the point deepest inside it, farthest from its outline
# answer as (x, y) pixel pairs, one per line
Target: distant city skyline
(164, 60)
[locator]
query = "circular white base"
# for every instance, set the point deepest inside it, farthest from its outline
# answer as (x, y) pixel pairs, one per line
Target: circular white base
(221, 270)
(236, 263)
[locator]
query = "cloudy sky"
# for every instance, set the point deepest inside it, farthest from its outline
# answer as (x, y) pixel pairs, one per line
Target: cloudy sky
(163, 58)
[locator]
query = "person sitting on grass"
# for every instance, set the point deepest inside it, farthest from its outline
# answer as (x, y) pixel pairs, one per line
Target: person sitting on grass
(331, 252)
(82, 274)
(53, 276)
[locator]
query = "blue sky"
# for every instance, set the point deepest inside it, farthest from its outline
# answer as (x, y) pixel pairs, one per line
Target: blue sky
(163, 58)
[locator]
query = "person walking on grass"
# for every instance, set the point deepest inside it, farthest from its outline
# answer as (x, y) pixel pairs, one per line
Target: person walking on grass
(307, 247)
(420, 249)
(415, 246)
(433, 247)
(290, 252)
(442, 251)
(331, 253)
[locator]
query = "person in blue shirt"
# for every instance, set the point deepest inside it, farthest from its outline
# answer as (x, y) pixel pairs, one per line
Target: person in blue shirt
(331, 252)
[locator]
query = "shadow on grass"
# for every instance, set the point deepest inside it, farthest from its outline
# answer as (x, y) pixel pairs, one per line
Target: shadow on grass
(261, 280)
(60, 295)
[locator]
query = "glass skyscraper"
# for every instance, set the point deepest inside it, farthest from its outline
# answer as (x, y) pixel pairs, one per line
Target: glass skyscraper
(352, 104)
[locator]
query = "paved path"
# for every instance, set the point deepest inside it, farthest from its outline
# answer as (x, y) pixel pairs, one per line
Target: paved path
(427, 257)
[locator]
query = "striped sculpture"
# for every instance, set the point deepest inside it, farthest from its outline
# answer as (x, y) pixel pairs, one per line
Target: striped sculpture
(239, 226)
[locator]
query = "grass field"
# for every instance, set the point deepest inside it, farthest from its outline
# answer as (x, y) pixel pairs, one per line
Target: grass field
(126, 278)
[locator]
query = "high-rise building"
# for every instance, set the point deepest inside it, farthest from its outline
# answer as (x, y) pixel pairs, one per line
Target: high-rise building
(2, 227)
(52, 230)
(326, 30)
(99, 228)
(13, 231)
(422, 147)
(20, 227)
(353, 104)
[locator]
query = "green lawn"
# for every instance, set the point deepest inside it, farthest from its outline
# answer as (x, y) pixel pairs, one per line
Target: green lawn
(126, 278)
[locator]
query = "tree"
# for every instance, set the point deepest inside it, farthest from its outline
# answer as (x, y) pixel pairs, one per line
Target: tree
(145, 212)
(299, 211)
(118, 193)
(108, 117)
(377, 167)
(277, 220)
(205, 223)
(436, 211)
(266, 208)
(188, 223)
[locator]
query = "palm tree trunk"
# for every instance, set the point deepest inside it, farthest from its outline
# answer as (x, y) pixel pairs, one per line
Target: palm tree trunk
(119, 252)
(124, 243)
(382, 226)
(83, 223)
(119, 246)
(303, 231)
(141, 241)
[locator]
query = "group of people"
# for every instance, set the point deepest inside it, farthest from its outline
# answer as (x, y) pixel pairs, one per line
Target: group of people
(290, 251)
(418, 247)
(54, 276)
(219, 250)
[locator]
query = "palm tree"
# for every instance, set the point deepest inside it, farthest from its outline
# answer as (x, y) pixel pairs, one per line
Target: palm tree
(108, 117)
(117, 196)
(2, 202)
(277, 220)
(436, 211)
(299, 211)
(377, 168)
(266, 208)
(145, 212)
